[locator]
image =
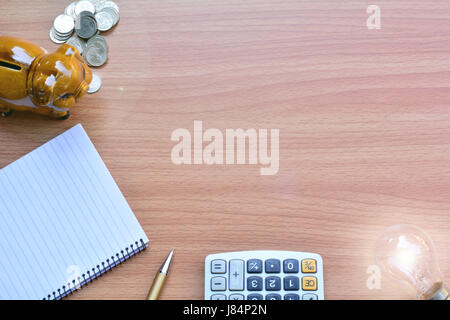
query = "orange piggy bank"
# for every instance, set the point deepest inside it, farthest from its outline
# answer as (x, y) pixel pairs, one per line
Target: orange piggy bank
(33, 80)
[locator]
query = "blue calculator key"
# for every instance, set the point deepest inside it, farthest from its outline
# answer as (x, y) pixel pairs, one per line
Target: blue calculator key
(254, 284)
(291, 296)
(309, 296)
(273, 284)
(254, 266)
(273, 266)
(290, 266)
(273, 296)
(255, 296)
(291, 283)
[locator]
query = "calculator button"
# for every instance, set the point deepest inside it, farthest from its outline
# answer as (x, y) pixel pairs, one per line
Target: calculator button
(290, 266)
(291, 283)
(273, 266)
(236, 297)
(254, 284)
(255, 297)
(291, 296)
(218, 284)
(218, 266)
(309, 266)
(309, 283)
(218, 297)
(273, 296)
(309, 296)
(254, 266)
(273, 283)
(236, 275)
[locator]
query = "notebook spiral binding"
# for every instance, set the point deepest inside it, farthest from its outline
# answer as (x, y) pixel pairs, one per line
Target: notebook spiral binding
(94, 273)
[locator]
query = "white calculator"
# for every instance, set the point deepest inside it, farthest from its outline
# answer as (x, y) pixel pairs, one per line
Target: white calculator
(264, 275)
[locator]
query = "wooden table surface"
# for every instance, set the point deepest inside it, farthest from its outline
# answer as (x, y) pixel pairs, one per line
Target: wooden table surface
(364, 120)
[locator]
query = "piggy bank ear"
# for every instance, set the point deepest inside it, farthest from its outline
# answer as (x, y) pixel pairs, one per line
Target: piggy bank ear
(69, 51)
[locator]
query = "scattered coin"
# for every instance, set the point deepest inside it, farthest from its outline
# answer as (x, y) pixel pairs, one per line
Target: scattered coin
(95, 84)
(84, 5)
(96, 52)
(78, 43)
(86, 25)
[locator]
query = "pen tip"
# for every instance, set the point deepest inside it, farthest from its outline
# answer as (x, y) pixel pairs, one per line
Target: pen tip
(167, 262)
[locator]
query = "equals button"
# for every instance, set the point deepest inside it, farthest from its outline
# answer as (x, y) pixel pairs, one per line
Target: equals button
(218, 266)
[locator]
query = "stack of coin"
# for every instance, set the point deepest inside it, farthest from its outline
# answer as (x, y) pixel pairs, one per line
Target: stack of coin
(86, 25)
(83, 6)
(107, 18)
(62, 28)
(96, 52)
(70, 10)
(88, 18)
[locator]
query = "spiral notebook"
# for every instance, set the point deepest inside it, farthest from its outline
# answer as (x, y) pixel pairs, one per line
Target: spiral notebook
(63, 220)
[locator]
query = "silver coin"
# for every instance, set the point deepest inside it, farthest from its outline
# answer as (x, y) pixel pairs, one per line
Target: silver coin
(105, 20)
(95, 84)
(78, 43)
(70, 10)
(97, 3)
(84, 5)
(58, 36)
(114, 13)
(63, 24)
(86, 25)
(54, 38)
(96, 52)
(106, 4)
(98, 40)
(62, 36)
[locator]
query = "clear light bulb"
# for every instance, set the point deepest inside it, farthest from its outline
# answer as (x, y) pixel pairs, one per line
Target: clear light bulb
(406, 254)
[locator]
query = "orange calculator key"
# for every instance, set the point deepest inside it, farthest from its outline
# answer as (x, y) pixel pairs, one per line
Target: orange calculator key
(309, 266)
(309, 283)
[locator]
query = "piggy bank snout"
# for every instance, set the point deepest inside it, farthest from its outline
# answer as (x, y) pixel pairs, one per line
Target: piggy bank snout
(81, 90)
(87, 78)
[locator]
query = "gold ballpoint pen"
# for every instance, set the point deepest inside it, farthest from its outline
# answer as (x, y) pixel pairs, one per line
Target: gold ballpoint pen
(160, 278)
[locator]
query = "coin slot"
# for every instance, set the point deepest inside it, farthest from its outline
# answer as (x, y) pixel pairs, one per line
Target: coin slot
(11, 66)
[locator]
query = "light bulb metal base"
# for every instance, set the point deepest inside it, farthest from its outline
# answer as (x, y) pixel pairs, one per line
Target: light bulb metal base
(441, 294)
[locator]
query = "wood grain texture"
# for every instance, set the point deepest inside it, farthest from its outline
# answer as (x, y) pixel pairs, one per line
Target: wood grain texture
(364, 119)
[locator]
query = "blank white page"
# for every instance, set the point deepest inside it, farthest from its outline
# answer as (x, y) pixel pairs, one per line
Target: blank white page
(63, 220)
